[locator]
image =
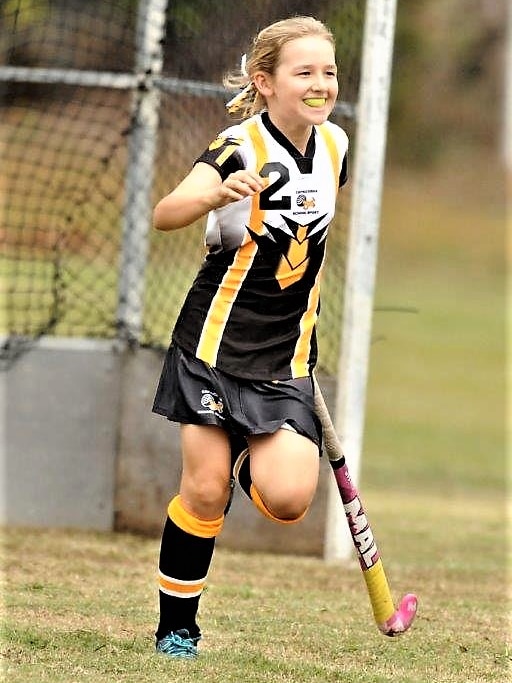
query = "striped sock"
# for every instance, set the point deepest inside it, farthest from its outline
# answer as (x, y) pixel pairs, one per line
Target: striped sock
(185, 555)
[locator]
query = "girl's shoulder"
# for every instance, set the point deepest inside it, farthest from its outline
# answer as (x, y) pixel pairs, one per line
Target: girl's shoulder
(229, 151)
(238, 131)
(336, 131)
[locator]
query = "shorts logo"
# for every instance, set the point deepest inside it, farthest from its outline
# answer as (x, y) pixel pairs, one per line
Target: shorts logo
(212, 403)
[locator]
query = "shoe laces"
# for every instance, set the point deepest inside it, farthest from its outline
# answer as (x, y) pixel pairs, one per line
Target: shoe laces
(178, 644)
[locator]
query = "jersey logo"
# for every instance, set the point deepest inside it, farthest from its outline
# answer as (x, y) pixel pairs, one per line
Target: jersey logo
(225, 148)
(222, 142)
(305, 202)
(294, 241)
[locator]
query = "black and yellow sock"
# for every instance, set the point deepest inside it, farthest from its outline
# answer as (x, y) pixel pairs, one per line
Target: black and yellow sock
(185, 555)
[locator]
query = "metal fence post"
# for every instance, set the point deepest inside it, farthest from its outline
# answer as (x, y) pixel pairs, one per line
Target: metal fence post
(140, 168)
(362, 257)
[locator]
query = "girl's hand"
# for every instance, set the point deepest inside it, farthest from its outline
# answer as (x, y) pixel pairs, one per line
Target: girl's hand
(239, 185)
(201, 191)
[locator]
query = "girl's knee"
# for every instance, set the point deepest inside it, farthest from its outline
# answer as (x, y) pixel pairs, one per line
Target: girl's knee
(205, 498)
(281, 508)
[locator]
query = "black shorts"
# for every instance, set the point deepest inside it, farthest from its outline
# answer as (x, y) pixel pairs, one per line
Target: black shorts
(192, 392)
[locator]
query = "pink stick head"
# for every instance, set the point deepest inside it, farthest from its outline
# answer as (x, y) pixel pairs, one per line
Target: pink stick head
(403, 617)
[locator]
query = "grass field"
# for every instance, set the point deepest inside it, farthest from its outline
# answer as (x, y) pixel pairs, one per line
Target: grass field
(82, 606)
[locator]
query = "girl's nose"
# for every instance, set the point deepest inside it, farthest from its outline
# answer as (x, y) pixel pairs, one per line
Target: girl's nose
(320, 84)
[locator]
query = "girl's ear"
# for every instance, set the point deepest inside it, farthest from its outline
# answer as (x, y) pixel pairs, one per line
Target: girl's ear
(263, 83)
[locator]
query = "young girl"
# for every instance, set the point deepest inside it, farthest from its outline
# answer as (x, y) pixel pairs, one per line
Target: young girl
(237, 375)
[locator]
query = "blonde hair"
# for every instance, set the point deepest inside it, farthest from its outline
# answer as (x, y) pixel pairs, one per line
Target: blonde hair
(264, 56)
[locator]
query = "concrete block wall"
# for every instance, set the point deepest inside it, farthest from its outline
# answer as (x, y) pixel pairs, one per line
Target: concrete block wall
(61, 401)
(82, 449)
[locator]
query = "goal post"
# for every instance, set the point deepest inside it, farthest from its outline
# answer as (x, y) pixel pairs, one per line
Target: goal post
(367, 182)
(140, 169)
(507, 110)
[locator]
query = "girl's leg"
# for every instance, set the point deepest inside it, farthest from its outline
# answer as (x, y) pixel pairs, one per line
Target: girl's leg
(284, 469)
(195, 518)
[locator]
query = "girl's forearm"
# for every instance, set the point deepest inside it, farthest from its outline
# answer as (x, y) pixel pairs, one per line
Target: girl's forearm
(172, 213)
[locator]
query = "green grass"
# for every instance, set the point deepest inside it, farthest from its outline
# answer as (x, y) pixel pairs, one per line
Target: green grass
(83, 606)
(436, 395)
(437, 389)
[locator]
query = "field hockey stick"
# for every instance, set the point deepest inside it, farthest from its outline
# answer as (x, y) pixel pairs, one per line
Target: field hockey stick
(391, 621)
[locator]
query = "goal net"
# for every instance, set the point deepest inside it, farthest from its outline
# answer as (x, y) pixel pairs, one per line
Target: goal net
(76, 81)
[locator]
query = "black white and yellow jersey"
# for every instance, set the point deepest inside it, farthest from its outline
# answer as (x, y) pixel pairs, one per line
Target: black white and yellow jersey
(252, 308)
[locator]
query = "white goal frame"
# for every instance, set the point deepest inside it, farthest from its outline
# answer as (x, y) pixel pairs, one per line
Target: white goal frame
(367, 182)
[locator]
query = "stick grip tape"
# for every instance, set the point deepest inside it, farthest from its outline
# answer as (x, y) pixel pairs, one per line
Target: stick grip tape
(379, 593)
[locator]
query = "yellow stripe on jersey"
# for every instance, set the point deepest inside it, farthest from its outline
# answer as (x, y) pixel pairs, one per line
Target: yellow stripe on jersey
(333, 153)
(257, 214)
(179, 588)
(225, 154)
(299, 364)
(292, 266)
(222, 302)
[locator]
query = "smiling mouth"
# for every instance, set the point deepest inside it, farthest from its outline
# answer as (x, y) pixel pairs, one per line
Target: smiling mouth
(315, 102)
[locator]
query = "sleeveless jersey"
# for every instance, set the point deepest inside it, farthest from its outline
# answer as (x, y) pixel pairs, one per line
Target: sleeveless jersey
(252, 309)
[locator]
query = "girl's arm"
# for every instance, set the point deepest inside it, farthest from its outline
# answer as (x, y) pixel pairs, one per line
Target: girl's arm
(201, 191)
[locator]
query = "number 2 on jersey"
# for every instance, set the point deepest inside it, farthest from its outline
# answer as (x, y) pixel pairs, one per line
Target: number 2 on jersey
(266, 201)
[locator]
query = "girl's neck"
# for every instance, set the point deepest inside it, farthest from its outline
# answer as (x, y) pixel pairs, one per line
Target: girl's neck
(296, 134)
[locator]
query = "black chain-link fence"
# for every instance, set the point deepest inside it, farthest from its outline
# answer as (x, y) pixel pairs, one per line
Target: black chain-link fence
(67, 87)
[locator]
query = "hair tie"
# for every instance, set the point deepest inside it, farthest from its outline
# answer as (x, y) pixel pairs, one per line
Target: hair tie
(243, 65)
(234, 103)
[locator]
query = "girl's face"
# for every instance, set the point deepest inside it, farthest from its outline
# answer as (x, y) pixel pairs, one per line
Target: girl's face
(303, 90)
